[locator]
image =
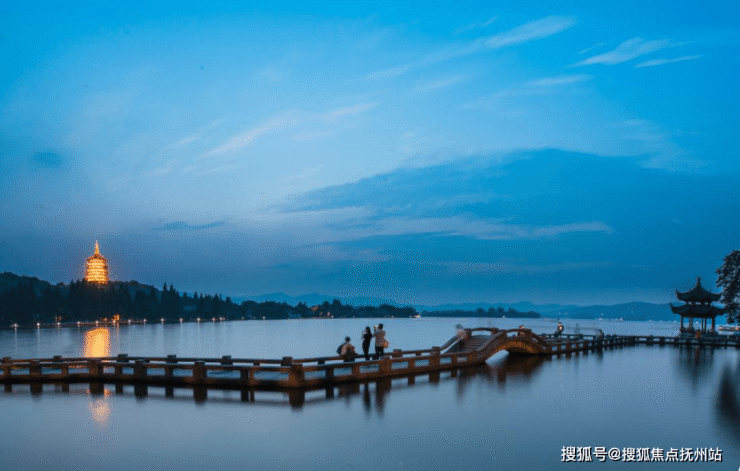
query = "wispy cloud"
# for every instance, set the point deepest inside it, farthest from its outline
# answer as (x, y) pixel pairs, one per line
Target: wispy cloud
(310, 136)
(627, 51)
(353, 227)
(444, 83)
(347, 111)
(289, 120)
(557, 81)
(511, 267)
(591, 48)
(386, 73)
(181, 226)
(654, 62)
(531, 31)
(474, 26)
(186, 141)
(247, 138)
(533, 87)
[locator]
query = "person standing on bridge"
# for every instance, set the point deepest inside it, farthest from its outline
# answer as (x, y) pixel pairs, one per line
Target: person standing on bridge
(559, 329)
(366, 337)
(380, 342)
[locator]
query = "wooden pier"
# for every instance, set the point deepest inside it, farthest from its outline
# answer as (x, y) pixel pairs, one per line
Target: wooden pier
(289, 373)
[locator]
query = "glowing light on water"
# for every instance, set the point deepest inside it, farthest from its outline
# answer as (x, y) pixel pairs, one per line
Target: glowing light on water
(96, 343)
(100, 407)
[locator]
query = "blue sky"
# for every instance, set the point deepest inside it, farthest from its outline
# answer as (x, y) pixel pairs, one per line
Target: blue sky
(423, 152)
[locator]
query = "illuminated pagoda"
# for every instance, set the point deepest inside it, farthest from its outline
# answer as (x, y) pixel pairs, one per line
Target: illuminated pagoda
(698, 305)
(97, 268)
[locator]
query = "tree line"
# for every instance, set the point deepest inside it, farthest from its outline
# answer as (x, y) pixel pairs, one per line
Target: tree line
(480, 312)
(32, 301)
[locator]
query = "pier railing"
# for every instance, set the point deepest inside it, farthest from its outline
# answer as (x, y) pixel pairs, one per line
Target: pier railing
(228, 372)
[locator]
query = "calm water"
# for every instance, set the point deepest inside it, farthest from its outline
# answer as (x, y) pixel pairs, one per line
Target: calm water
(512, 413)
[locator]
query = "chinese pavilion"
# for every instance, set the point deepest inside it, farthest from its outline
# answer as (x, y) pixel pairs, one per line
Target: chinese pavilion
(698, 305)
(97, 268)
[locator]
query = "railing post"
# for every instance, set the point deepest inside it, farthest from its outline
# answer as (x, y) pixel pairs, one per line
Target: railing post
(245, 374)
(434, 356)
(139, 370)
(226, 360)
(34, 369)
(385, 366)
(168, 367)
(123, 358)
(94, 368)
(286, 361)
(397, 353)
(296, 375)
(199, 372)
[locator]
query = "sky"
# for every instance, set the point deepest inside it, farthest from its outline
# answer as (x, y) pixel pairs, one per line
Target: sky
(420, 152)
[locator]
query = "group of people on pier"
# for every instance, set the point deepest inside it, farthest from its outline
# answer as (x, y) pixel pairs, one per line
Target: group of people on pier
(347, 350)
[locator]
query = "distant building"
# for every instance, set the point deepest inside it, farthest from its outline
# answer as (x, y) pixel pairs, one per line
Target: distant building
(96, 270)
(698, 305)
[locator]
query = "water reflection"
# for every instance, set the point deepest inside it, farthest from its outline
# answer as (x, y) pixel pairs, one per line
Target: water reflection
(728, 402)
(695, 364)
(99, 405)
(96, 343)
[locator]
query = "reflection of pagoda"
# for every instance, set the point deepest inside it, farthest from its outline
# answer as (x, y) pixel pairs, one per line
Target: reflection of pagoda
(97, 268)
(698, 305)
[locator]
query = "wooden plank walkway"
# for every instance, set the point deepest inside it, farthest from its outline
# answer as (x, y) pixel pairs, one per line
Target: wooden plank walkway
(289, 373)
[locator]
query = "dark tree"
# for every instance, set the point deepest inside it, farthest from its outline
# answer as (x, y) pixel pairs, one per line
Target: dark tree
(729, 281)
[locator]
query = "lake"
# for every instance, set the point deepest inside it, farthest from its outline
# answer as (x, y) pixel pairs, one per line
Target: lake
(511, 413)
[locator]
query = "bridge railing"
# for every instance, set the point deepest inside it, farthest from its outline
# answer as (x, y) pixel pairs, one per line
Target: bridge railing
(228, 371)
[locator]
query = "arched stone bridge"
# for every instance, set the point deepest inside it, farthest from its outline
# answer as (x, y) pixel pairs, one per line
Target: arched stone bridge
(486, 342)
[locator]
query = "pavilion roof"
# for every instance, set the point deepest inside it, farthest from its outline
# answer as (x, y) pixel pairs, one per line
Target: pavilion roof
(697, 294)
(701, 310)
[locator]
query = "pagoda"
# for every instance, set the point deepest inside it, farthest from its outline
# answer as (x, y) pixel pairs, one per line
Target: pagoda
(698, 305)
(97, 268)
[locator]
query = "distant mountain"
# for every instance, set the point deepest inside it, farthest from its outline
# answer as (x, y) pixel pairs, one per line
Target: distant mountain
(636, 311)
(315, 298)
(9, 281)
(544, 309)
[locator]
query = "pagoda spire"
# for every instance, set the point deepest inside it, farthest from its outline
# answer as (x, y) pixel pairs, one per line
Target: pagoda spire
(97, 249)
